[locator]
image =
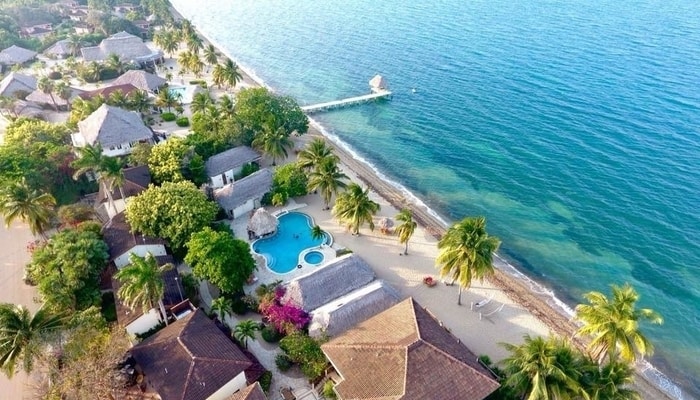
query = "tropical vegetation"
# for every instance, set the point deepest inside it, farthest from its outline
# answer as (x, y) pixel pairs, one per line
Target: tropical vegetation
(142, 284)
(20, 201)
(406, 228)
(354, 208)
(327, 178)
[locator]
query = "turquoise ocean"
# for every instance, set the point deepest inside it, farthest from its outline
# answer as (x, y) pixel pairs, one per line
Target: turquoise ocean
(573, 126)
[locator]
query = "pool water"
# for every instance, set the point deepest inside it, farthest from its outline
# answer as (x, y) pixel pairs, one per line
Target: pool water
(283, 248)
(313, 257)
(178, 91)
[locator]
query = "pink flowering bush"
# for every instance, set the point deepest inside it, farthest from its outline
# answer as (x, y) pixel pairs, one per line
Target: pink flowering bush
(285, 317)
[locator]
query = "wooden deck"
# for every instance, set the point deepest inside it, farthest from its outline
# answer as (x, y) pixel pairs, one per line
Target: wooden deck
(346, 102)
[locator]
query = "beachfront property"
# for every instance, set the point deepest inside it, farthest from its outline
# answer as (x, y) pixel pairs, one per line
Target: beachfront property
(142, 80)
(136, 180)
(122, 242)
(15, 55)
(404, 353)
(17, 85)
(193, 359)
(242, 196)
(222, 168)
(129, 49)
(115, 129)
(59, 50)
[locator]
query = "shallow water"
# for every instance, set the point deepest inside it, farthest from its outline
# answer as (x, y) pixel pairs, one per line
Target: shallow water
(572, 126)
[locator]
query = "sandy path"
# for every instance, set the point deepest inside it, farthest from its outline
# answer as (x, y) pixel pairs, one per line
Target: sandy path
(13, 258)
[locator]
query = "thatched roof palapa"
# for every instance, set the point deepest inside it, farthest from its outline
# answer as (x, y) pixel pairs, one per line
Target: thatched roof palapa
(112, 126)
(16, 55)
(141, 79)
(378, 83)
(262, 223)
(125, 45)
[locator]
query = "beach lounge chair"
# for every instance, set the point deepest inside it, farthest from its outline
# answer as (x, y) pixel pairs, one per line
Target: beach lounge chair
(482, 303)
(490, 313)
(287, 394)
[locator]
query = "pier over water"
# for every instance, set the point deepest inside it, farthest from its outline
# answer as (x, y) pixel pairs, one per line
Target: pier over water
(379, 91)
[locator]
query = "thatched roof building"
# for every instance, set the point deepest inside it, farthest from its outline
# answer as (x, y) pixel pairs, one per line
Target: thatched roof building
(247, 190)
(39, 97)
(16, 55)
(345, 312)
(60, 49)
(231, 159)
(262, 223)
(113, 126)
(15, 83)
(404, 353)
(125, 45)
(339, 277)
(141, 79)
(378, 83)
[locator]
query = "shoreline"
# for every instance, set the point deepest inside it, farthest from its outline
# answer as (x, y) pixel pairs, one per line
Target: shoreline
(513, 284)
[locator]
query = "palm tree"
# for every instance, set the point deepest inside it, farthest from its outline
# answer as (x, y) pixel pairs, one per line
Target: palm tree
(112, 169)
(142, 283)
(614, 324)
(74, 44)
(93, 161)
(272, 141)
(201, 102)
(407, 227)
(232, 75)
(218, 75)
(19, 200)
(226, 106)
(313, 153)
(327, 178)
(210, 54)
(118, 99)
(466, 252)
(194, 42)
(244, 330)
(139, 101)
(543, 369)
(46, 86)
(222, 306)
(91, 71)
(355, 208)
(186, 29)
(114, 62)
(63, 91)
(166, 98)
(183, 60)
(23, 335)
(196, 65)
(610, 382)
(167, 41)
(317, 233)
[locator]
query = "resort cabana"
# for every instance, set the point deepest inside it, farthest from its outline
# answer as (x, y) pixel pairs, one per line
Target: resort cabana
(262, 223)
(378, 83)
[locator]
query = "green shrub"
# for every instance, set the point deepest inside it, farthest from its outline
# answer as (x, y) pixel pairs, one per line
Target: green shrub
(198, 82)
(151, 331)
(109, 310)
(238, 305)
(270, 334)
(248, 169)
(265, 381)
(168, 116)
(328, 391)
(54, 75)
(305, 351)
(108, 73)
(182, 122)
(342, 252)
(283, 362)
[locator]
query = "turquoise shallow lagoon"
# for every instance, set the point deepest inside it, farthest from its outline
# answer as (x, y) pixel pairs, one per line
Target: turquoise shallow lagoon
(573, 126)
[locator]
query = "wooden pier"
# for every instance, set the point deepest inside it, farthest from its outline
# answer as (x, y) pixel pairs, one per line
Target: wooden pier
(345, 102)
(379, 91)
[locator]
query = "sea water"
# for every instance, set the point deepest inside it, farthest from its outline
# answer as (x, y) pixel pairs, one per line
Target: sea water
(572, 126)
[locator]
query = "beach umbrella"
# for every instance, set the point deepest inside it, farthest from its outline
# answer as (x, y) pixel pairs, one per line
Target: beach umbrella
(385, 224)
(262, 223)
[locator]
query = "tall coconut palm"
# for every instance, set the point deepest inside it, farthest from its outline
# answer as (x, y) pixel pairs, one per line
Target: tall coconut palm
(74, 44)
(118, 99)
(222, 306)
(196, 65)
(183, 61)
(609, 382)
(92, 160)
(139, 101)
(543, 369)
(167, 99)
(245, 330)
(63, 91)
(166, 40)
(113, 170)
(114, 62)
(218, 75)
(201, 102)
(186, 29)
(232, 74)
(46, 86)
(327, 179)
(20, 200)
(142, 283)
(211, 56)
(23, 336)
(313, 153)
(91, 71)
(466, 252)
(614, 324)
(226, 106)
(406, 228)
(194, 42)
(272, 141)
(355, 208)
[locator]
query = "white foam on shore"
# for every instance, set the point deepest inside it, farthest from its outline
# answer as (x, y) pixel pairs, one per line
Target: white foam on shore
(655, 376)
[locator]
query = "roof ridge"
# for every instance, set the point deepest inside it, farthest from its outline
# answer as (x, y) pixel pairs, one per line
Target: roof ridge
(419, 336)
(187, 378)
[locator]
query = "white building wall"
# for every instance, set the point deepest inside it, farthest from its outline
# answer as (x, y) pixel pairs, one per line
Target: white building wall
(121, 150)
(119, 204)
(141, 251)
(234, 385)
(218, 180)
(144, 323)
(244, 208)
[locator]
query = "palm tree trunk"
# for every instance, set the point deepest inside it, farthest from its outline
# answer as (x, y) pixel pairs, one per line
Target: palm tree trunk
(110, 198)
(459, 295)
(405, 251)
(162, 311)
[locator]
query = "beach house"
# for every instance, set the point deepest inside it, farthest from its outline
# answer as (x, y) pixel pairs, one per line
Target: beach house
(129, 49)
(115, 129)
(15, 55)
(122, 242)
(108, 205)
(404, 353)
(223, 167)
(193, 359)
(142, 80)
(60, 49)
(17, 85)
(242, 196)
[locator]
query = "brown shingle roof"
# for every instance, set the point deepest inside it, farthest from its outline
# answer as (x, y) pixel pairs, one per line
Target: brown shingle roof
(117, 234)
(404, 353)
(126, 90)
(251, 392)
(190, 359)
(136, 180)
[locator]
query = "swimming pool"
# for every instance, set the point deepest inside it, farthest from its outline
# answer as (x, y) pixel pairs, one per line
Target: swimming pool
(293, 236)
(184, 93)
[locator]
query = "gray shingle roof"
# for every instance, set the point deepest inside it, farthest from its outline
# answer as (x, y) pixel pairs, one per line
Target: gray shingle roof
(16, 55)
(112, 126)
(345, 312)
(253, 186)
(337, 278)
(39, 97)
(141, 79)
(230, 159)
(59, 49)
(14, 82)
(127, 46)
